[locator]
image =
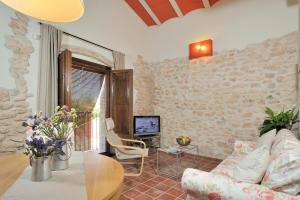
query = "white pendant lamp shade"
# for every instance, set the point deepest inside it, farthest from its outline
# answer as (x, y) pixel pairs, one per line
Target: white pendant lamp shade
(49, 10)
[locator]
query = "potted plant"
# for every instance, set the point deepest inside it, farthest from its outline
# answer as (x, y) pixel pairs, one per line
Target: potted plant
(40, 150)
(60, 128)
(278, 121)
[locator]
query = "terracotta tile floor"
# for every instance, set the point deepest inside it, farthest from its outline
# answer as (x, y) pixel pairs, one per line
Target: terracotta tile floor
(161, 187)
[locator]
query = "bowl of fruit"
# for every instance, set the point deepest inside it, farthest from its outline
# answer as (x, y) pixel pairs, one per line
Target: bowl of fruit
(183, 140)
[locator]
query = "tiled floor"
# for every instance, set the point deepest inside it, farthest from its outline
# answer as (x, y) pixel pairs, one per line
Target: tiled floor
(150, 186)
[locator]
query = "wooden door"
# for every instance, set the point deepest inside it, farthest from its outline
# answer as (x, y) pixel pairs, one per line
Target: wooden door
(122, 102)
(72, 80)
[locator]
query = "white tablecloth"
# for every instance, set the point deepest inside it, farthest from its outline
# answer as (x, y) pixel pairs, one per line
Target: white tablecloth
(67, 184)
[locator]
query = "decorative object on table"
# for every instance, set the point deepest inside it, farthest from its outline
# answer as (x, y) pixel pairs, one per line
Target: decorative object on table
(183, 140)
(172, 149)
(60, 128)
(40, 149)
(278, 121)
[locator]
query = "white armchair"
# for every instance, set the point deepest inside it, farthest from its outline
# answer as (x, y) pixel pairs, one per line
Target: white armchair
(125, 152)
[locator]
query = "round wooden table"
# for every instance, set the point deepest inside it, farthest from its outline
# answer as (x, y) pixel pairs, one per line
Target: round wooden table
(103, 175)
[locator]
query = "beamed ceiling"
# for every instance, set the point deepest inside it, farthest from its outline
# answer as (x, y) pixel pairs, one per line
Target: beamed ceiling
(156, 12)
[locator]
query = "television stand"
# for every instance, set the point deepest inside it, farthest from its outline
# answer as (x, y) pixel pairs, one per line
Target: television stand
(152, 141)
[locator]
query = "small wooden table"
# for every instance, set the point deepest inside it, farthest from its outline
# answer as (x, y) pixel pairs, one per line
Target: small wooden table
(103, 175)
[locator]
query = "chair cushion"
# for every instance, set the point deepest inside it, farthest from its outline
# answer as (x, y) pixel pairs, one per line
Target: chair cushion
(252, 167)
(114, 138)
(109, 124)
(129, 154)
(283, 173)
(266, 139)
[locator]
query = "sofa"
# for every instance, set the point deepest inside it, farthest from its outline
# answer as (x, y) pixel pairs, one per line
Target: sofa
(280, 179)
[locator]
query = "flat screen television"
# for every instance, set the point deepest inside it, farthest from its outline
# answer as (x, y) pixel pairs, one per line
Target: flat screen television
(146, 125)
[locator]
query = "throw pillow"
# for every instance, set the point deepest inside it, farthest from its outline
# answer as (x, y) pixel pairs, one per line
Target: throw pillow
(266, 139)
(252, 167)
(278, 144)
(283, 173)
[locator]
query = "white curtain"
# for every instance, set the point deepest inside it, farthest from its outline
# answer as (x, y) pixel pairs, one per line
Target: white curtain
(119, 60)
(48, 70)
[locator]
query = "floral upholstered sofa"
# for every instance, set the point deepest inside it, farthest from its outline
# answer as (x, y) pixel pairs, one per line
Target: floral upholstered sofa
(279, 180)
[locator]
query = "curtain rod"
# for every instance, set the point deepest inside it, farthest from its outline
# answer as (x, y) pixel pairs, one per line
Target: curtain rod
(82, 39)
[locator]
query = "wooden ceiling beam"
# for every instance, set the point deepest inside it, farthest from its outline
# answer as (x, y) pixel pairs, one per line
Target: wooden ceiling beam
(150, 12)
(206, 3)
(176, 8)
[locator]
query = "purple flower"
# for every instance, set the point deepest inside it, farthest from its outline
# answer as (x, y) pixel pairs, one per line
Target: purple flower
(59, 143)
(38, 146)
(28, 142)
(45, 118)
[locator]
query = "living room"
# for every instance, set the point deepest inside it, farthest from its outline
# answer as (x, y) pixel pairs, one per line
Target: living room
(207, 68)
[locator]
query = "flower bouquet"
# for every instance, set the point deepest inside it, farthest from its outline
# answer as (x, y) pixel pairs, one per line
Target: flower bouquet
(60, 128)
(40, 149)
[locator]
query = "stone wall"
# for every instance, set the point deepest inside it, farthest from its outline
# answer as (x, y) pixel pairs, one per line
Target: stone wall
(220, 99)
(13, 105)
(143, 88)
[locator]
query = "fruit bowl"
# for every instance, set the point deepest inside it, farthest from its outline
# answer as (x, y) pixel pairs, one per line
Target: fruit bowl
(183, 140)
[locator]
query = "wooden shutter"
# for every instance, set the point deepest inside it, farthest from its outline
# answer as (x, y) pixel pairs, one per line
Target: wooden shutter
(122, 101)
(64, 78)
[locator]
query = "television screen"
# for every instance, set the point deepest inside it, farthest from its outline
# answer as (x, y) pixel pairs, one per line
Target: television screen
(146, 125)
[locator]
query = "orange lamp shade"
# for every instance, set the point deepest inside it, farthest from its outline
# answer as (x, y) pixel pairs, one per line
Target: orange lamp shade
(200, 49)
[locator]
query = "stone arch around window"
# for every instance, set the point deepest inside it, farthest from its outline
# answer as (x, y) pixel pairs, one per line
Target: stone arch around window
(89, 53)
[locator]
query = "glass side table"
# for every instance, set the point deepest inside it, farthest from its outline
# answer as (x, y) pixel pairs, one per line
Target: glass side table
(191, 149)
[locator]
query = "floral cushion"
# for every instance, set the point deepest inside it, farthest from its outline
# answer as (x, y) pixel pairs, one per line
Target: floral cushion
(266, 139)
(249, 167)
(279, 142)
(243, 146)
(226, 167)
(252, 167)
(204, 185)
(283, 173)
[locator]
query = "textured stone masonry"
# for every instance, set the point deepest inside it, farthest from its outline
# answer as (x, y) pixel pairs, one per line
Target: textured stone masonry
(220, 99)
(13, 105)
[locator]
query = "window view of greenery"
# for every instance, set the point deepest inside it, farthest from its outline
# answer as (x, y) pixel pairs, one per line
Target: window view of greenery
(85, 91)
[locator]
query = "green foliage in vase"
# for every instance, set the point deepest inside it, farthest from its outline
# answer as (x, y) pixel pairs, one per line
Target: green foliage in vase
(278, 121)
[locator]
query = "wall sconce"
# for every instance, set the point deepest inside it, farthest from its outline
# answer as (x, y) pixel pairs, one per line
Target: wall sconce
(200, 49)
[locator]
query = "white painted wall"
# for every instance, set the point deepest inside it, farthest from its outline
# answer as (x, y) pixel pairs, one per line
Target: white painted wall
(230, 23)
(113, 24)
